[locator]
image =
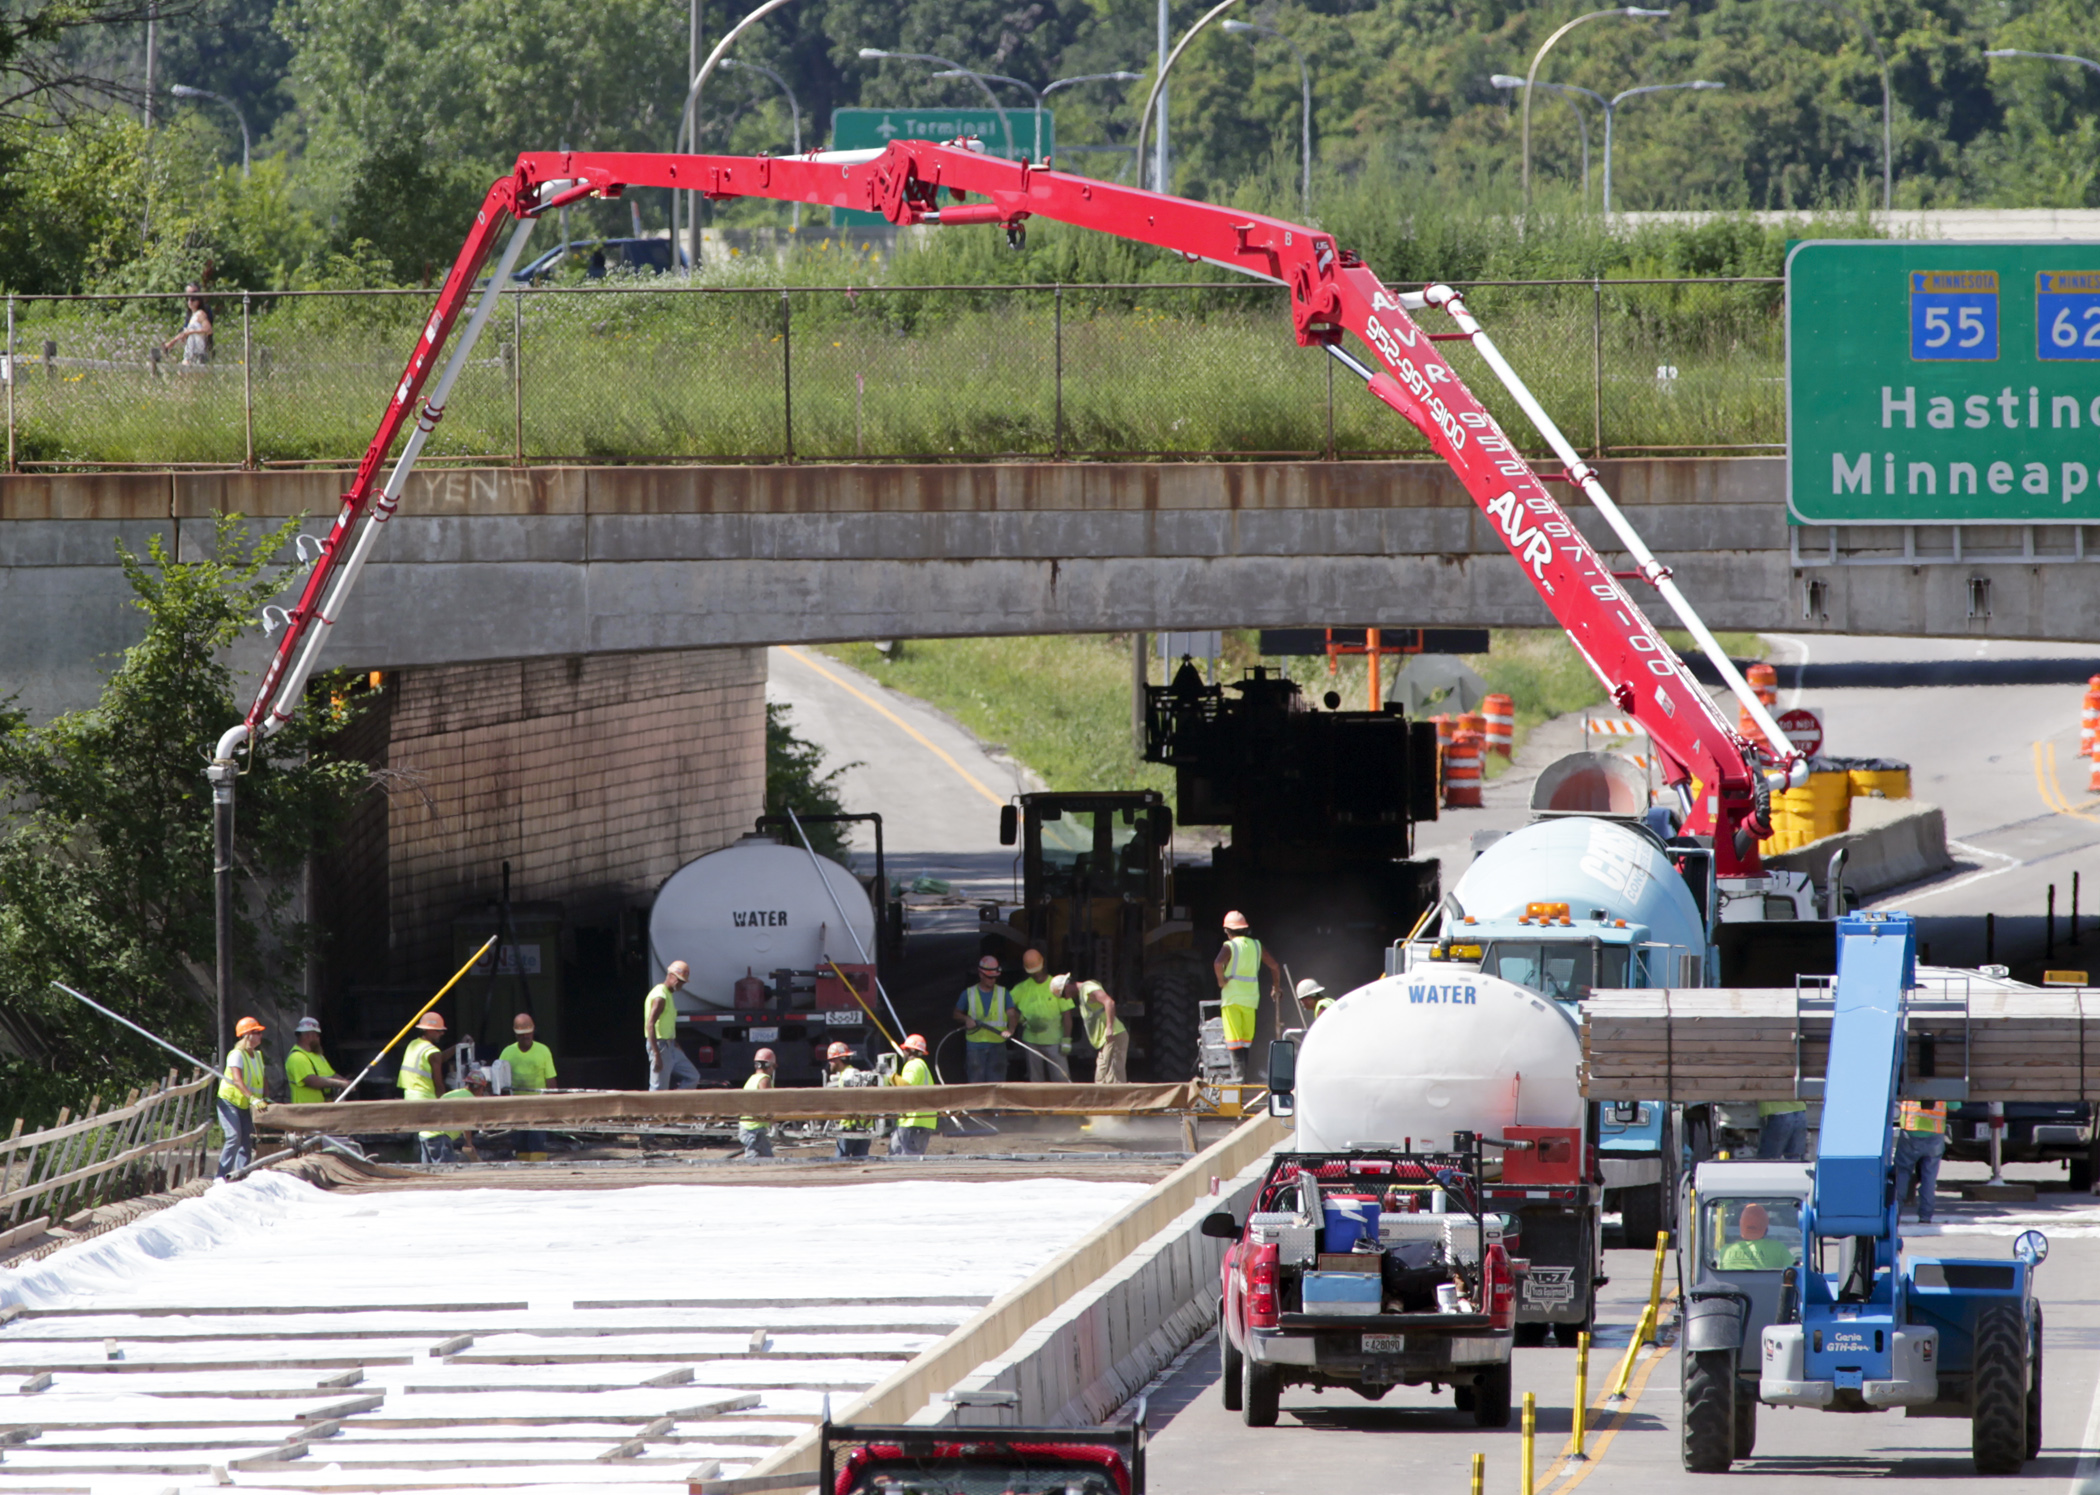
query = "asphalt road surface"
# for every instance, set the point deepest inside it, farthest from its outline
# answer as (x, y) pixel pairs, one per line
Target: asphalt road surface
(1414, 1442)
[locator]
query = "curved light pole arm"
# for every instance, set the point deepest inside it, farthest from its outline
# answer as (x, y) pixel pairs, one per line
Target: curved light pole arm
(2085, 62)
(686, 122)
(1035, 151)
(794, 122)
(1152, 98)
(1532, 77)
(1005, 124)
(1611, 111)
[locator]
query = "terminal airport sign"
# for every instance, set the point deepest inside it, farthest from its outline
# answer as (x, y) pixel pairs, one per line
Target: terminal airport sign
(1033, 134)
(1937, 383)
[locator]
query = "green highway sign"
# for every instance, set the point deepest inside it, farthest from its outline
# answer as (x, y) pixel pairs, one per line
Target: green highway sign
(1034, 135)
(1938, 383)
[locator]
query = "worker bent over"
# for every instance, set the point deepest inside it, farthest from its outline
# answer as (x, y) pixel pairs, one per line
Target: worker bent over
(915, 1131)
(755, 1133)
(1046, 1022)
(1104, 1030)
(1238, 967)
(1919, 1147)
(436, 1146)
(988, 1017)
(855, 1132)
(531, 1073)
(239, 1093)
(669, 1069)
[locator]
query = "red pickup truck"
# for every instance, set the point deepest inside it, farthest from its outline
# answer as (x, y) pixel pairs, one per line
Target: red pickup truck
(1368, 1270)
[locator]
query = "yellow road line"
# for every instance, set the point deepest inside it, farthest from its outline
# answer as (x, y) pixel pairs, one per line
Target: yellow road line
(2050, 786)
(1601, 1404)
(1618, 1420)
(909, 730)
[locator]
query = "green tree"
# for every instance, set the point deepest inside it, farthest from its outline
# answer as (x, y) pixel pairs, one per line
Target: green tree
(797, 780)
(105, 842)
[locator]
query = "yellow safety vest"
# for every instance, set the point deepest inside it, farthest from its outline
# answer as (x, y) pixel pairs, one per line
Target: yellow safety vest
(301, 1066)
(419, 1066)
(1041, 1010)
(758, 1080)
(1242, 972)
(1929, 1116)
(1088, 994)
(990, 1010)
(460, 1094)
(250, 1068)
(916, 1071)
(851, 1078)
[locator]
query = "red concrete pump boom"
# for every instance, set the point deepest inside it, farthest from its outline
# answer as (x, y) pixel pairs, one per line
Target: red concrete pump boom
(1718, 771)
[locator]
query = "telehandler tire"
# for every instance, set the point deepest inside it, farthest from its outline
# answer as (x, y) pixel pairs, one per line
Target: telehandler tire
(1998, 1389)
(1641, 1215)
(1709, 1411)
(1745, 1421)
(2034, 1390)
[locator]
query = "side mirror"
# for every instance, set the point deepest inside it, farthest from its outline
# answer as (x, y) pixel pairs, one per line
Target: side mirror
(1283, 1077)
(1220, 1226)
(1789, 1296)
(2032, 1245)
(1009, 824)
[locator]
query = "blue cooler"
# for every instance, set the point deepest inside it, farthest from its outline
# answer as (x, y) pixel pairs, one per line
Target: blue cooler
(1350, 1218)
(1352, 1293)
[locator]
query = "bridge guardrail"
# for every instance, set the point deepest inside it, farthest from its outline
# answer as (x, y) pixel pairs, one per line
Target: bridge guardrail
(664, 370)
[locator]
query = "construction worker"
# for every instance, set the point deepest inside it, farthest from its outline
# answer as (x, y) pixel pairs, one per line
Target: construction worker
(1104, 1030)
(1754, 1250)
(669, 1069)
(531, 1072)
(1782, 1129)
(1920, 1144)
(988, 1017)
(307, 1071)
(1313, 1000)
(855, 1132)
(239, 1093)
(915, 1131)
(1238, 969)
(755, 1133)
(1046, 1021)
(437, 1146)
(423, 1061)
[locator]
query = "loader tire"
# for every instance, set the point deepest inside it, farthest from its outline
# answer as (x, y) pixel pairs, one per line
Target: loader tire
(2034, 1390)
(1998, 1390)
(1173, 1031)
(1641, 1216)
(1228, 1367)
(1261, 1390)
(1745, 1421)
(1491, 1397)
(1531, 1336)
(1709, 1411)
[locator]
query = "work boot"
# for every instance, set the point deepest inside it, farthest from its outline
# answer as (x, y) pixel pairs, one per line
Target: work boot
(1238, 1059)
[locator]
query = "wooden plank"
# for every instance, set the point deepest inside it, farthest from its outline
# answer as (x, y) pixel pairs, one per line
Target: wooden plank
(337, 1411)
(38, 1382)
(220, 1310)
(164, 1367)
(453, 1345)
(64, 1130)
(957, 1300)
(660, 1357)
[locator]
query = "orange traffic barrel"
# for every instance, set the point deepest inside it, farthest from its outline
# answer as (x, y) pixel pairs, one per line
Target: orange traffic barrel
(1764, 680)
(2089, 722)
(1443, 732)
(1501, 715)
(1474, 722)
(1463, 763)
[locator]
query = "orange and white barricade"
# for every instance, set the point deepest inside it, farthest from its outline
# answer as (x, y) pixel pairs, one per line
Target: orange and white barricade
(1463, 766)
(1500, 714)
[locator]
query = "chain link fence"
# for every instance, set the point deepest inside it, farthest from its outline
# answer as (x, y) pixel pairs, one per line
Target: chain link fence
(644, 371)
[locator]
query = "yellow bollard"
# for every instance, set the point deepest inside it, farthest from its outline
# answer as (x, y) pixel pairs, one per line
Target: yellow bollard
(1633, 1353)
(1480, 1474)
(1582, 1394)
(1529, 1438)
(1655, 1287)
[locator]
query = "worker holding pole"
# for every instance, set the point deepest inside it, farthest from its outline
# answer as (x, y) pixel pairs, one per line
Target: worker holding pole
(988, 1017)
(855, 1132)
(1046, 1020)
(307, 1072)
(1238, 968)
(239, 1093)
(914, 1131)
(669, 1069)
(422, 1062)
(755, 1133)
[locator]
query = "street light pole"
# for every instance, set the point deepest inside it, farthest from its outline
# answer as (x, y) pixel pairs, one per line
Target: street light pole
(794, 116)
(2047, 56)
(687, 120)
(1887, 114)
(1630, 12)
(1507, 80)
(1611, 111)
(1160, 177)
(877, 54)
(1159, 86)
(1035, 151)
(1251, 29)
(184, 91)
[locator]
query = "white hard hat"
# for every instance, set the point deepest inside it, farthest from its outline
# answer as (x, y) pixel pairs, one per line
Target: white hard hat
(1310, 988)
(308, 1025)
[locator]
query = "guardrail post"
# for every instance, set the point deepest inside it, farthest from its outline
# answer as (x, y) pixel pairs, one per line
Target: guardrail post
(1328, 364)
(247, 381)
(517, 376)
(1597, 366)
(1057, 436)
(787, 378)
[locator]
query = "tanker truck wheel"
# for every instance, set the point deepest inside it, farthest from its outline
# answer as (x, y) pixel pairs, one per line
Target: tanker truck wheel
(1998, 1426)
(1491, 1397)
(1229, 1360)
(1641, 1215)
(1709, 1411)
(1261, 1391)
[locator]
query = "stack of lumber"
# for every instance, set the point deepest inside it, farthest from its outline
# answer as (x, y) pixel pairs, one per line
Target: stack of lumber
(1736, 1044)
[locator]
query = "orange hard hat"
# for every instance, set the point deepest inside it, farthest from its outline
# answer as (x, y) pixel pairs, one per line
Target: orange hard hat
(913, 1044)
(764, 1056)
(246, 1026)
(1235, 920)
(838, 1051)
(432, 1022)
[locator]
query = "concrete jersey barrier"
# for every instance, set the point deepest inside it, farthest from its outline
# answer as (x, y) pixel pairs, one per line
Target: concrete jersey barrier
(1000, 1326)
(1891, 842)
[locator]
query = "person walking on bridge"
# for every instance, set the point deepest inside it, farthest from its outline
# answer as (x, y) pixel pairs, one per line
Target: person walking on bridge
(988, 1016)
(1238, 967)
(239, 1093)
(914, 1131)
(669, 1069)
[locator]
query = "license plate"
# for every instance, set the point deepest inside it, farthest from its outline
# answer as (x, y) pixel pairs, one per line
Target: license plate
(847, 1018)
(1385, 1344)
(763, 1035)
